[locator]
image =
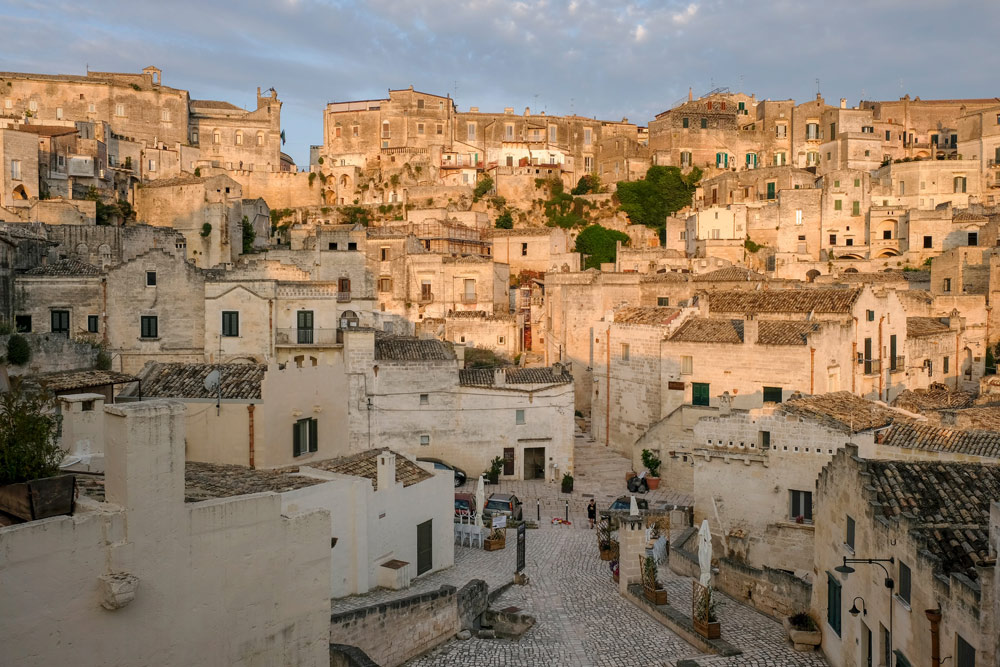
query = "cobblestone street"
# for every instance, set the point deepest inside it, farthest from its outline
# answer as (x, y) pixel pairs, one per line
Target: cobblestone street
(582, 620)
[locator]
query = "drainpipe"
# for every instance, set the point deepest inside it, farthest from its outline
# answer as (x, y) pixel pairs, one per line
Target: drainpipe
(881, 371)
(607, 389)
(934, 616)
(250, 433)
(104, 309)
(854, 357)
(270, 325)
(812, 369)
(957, 361)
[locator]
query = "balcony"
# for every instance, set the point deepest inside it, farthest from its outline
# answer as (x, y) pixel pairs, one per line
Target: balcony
(306, 337)
(468, 298)
(343, 297)
(873, 366)
(425, 297)
(897, 364)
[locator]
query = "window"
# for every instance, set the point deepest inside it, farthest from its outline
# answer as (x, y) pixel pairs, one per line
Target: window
(662, 301)
(798, 216)
(469, 293)
(439, 129)
(704, 123)
(519, 417)
(849, 242)
(894, 361)
(685, 158)
(886, 645)
(22, 323)
(151, 166)
(959, 184)
(524, 250)
(904, 582)
(508, 132)
(60, 322)
(352, 245)
(332, 245)
(687, 365)
(771, 190)
(625, 351)
(239, 138)
(965, 655)
(944, 365)
(119, 109)
(781, 130)
(217, 137)
(833, 130)
(700, 393)
(685, 122)
(928, 241)
(150, 278)
(973, 238)
(501, 340)
(420, 128)
(471, 129)
(149, 326)
(425, 440)
(194, 137)
(230, 323)
(92, 322)
(425, 399)
(849, 536)
(304, 327)
(384, 254)
(870, 315)
(855, 208)
(59, 113)
(857, 182)
(833, 603)
(800, 508)
(772, 394)
(420, 104)
(260, 138)
(15, 170)
(947, 285)
(304, 436)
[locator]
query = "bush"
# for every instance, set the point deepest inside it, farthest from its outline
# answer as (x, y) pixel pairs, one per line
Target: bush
(484, 185)
(567, 483)
(28, 428)
(505, 221)
(802, 621)
(652, 462)
(664, 191)
(599, 244)
(493, 472)
(312, 178)
(206, 229)
(588, 184)
(103, 361)
(197, 172)
(18, 350)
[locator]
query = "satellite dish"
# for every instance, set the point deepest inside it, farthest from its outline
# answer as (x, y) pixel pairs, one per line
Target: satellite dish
(212, 381)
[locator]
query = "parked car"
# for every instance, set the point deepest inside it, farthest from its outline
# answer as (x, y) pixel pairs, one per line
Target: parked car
(441, 465)
(503, 503)
(625, 503)
(465, 504)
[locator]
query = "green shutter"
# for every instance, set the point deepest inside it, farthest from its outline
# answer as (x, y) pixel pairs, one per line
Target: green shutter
(699, 393)
(313, 427)
(296, 439)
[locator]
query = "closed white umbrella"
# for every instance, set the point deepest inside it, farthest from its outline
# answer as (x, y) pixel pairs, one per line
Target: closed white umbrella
(705, 553)
(480, 499)
(633, 507)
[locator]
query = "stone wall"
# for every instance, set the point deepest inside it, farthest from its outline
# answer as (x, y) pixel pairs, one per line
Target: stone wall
(771, 591)
(393, 632)
(52, 353)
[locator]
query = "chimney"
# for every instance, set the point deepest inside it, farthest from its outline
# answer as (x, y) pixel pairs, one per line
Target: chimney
(690, 94)
(499, 377)
(750, 329)
(527, 111)
(725, 404)
(386, 472)
(460, 354)
(843, 102)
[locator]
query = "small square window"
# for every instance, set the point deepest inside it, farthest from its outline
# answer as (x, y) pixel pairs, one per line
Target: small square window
(663, 301)
(331, 245)
(425, 399)
(149, 326)
(352, 245)
(22, 323)
(150, 278)
(92, 323)
(425, 440)
(519, 417)
(501, 340)
(87, 406)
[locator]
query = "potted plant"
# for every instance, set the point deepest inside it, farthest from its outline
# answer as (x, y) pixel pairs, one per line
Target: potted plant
(30, 484)
(497, 539)
(703, 616)
(652, 463)
(492, 473)
(650, 585)
(567, 483)
(803, 631)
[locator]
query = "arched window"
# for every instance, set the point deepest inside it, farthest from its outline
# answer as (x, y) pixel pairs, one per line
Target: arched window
(348, 319)
(239, 137)
(260, 138)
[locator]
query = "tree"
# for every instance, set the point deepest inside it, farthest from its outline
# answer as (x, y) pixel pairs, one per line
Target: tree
(18, 350)
(599, 245)
(104, 212)
(28, 429)
(249, 235)
(664, 192)
(484, 185)
(588, 184)
(505, 221)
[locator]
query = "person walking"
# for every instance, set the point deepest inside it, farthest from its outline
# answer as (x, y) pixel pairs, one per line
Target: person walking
(592, 512)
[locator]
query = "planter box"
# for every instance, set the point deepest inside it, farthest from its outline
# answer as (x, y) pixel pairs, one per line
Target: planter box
(494, 545)
(657, 596)
(606, 554)
(802, 640)
(708, 629)
(39, 498)
(653, 482)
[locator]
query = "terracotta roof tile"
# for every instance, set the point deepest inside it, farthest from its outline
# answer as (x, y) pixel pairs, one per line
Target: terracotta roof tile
(179, 380)
(485, 377)
(934, 397)
(782, 332)
(518, 231)
(730, 274)
(203, 481)
(365, 464)
(665, 277)
(917, 327)
(820, 300)
(709, 330)
(70, 380)
(646, 315)
(949, 504)
(214, 104)
(404, 348)
(843, 411)
(935, 438)
(65, 267)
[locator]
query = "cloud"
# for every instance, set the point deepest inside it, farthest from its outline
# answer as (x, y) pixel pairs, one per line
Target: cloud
(683, 17)
(640, 33)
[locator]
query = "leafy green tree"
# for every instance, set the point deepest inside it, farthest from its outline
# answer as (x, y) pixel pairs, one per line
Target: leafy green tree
(598, 244)
(354, 215)
(664, 192)
(105, 213)
(18, 350)
(484, 185)
(249, 235)
(28, 429)
(505, 221)
(588, 184)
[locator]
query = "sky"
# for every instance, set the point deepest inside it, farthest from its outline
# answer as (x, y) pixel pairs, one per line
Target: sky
(598, 58)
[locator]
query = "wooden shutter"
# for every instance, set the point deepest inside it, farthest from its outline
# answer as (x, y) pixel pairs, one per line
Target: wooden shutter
(313, 432)
(296, 439)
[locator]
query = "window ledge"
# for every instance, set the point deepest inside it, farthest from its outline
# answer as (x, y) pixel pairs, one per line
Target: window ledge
(148, 340)
(901, 601)
(794, 524)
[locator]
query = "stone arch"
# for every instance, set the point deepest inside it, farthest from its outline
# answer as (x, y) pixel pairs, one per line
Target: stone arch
(850, 269)
(349, 320)
(812, 274)
(890, 226)
(888, 252)
(82, 251)
(20, 193)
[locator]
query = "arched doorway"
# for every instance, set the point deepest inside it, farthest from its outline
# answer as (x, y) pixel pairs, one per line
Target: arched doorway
(812, 275)
(349, 320)
(20, 193)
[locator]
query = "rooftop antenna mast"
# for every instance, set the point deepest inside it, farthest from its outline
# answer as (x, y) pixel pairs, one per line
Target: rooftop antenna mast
(817, 87)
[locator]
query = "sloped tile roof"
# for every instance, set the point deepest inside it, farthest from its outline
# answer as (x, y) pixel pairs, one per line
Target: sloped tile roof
(885, 276)
(646, 315)
(935, 438)
(730, 274)
(485, 377)
(709, 330)
(518, 231)
(365, 464)
(203, 481)
(949, 503)
(180, 380)
(665, 277)
(966, 216)
(917, 327)
(783, 332)
(70, 380)
(843, 411)
(934, 397)
(820, 300)
(981, 417)
(214, 104)
(405, 348)
(65, 267)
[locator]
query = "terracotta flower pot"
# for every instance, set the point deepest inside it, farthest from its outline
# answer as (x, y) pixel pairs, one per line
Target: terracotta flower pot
(654, 483)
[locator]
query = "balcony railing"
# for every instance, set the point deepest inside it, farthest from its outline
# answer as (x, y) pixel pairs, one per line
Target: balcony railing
(343, 297)
(897, 364)
(425, 297)
(468, 298)
(305, 337)
(873, 366)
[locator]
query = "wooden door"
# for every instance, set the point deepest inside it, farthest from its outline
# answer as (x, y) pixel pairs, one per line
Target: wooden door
(508, 461)
(425, 547)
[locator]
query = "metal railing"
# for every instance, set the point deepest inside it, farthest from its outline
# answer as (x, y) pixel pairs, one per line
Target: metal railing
(300, 337)
(343, 297)
(897, 364)
(425, 297)
(873, 366)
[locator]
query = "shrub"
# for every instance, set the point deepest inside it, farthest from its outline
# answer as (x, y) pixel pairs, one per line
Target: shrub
(493, 472)
(599, 244)
(197, 172)
(505, 221)
(484, 185)
(249, 235)
(18, 350)
(588, 184)
(312, 178)
(802, 621)
(319, 161)
(103, 361)
(206, 229)
(652, 462)
(567, 483)
(28, 428)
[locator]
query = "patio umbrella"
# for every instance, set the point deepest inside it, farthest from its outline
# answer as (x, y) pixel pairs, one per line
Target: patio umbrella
(633, 508)
(480, 499)
(705, 553)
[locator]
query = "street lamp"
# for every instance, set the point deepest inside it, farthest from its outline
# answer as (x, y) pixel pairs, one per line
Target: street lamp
(845, 569)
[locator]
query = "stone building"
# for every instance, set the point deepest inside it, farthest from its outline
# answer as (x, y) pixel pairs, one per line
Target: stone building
(232, 138)
(18, 167)
(979, 139)
(534, 249)
(938, 524)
